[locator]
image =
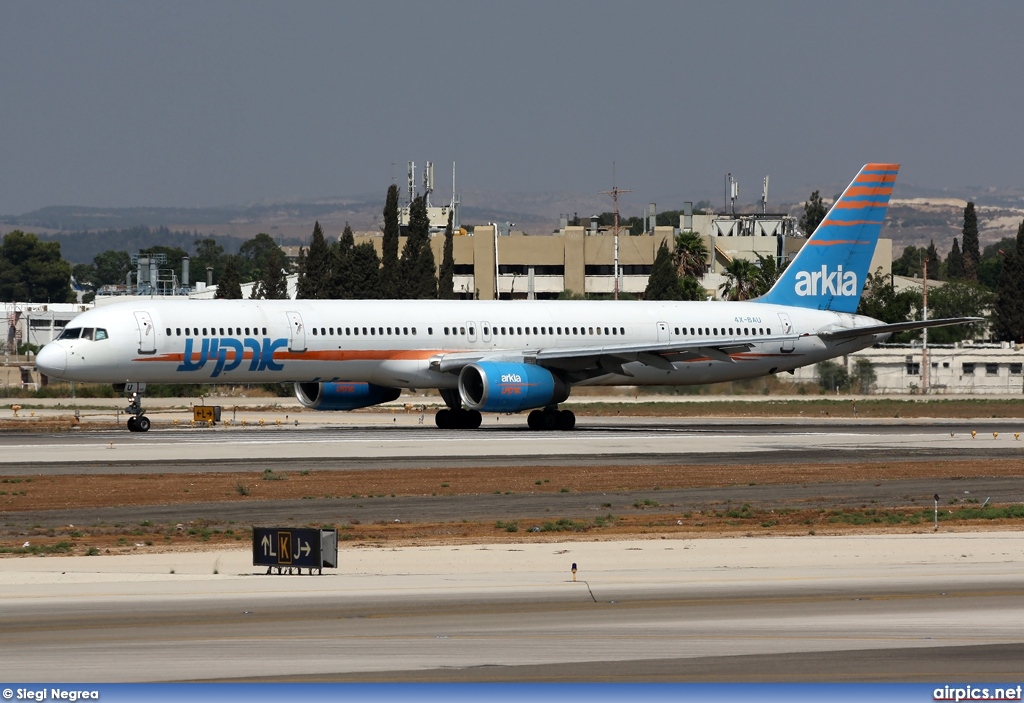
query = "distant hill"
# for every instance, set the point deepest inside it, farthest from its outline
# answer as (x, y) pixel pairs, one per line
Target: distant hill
(916, 216)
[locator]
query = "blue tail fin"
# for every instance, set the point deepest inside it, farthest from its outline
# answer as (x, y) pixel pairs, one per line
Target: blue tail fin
(829, 271)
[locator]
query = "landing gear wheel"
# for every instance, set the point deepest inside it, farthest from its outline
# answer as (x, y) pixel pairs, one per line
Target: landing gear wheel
(551, 419)
(533, 419)
(472, 418)
(132, 425)
(443, 419)
(566, 420)
(142, 424)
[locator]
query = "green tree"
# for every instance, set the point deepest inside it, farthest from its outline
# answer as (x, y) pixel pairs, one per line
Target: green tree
(1008, 318)
(111, 268)
(863, 378)
(255, 255)
(365, 272)
(315, 268)
(931, 254)
(209, 255)
(971, 253)
(32, 271)
(881, 301)
(229, 286)
(272, 283)
(909, 263)
(957, 299)
(389, 255)
(814, 213)
(768, 272)
(417, 269)
(446, 276)
(84, 275)
(832, 377)
(955, 263)
(663, 283)
(692, 288)
(690, 254)
(741, 280)
(340, 285)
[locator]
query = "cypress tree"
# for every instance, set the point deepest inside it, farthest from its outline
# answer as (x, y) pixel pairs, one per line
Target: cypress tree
(446, 276)
(364, 266)
(417, 270)
(971, 252)
(301, 281)
(934, 262)
(955, 263)
(389, 255)
(814, 213)
(340, 285)
(229, 287)
(663, 283)
(1009, 308)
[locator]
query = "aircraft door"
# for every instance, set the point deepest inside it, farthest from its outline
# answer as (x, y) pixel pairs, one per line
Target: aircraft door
(663, 332)
(296, 333)
(787, 329)
(485, 331)
(147, 332)
(471, 331)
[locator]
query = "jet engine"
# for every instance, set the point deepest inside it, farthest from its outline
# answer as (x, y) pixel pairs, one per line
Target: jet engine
(497, 387)
(343, 396)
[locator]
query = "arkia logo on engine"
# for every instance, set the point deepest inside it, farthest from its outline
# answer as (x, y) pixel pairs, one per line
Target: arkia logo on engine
(511, 378)
(826, 282)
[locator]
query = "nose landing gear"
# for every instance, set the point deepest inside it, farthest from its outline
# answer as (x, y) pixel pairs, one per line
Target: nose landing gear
(137, 422)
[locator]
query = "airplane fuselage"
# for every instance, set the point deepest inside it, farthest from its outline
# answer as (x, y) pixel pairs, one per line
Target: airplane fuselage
(393, 342)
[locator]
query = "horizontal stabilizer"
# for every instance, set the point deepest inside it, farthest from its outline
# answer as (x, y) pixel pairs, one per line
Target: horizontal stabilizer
(896, 327)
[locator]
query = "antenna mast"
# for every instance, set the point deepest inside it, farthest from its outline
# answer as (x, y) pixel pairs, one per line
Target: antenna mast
(614, 192)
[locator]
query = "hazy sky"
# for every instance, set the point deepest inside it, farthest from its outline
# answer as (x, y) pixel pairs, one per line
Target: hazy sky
(217, 103)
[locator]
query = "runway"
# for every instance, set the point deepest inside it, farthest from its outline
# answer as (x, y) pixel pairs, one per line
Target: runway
(912, 607)
(599, 441)
(928, 606)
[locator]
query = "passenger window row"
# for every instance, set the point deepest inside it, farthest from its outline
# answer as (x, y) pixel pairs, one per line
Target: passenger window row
(716, 331)
(551, 331)
(215, 331)
(367, 331)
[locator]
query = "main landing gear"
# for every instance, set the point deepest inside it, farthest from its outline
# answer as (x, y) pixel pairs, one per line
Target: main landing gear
(137, 422)
(551, 418)
(458, 419)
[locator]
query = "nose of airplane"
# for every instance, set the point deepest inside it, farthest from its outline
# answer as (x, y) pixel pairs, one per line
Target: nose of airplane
(52, 360)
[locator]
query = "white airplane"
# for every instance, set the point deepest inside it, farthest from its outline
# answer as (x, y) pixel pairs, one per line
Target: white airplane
(494, 356)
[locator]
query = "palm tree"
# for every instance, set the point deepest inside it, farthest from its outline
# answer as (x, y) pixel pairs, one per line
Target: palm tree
(690, 255)
(768, 272)
(741, 283)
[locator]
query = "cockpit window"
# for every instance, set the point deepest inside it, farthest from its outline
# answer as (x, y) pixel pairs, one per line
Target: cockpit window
(70, 333)
(100, 334)
(87, 332)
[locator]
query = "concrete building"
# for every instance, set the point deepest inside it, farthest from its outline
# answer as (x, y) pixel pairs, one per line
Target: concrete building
(973, 369)
(37, 323)
(491, 262)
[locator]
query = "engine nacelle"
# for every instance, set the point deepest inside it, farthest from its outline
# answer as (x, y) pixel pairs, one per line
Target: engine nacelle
(343, 396)
(495, 387)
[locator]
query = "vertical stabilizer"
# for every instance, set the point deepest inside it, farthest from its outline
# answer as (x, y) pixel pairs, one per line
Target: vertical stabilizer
(829, 272)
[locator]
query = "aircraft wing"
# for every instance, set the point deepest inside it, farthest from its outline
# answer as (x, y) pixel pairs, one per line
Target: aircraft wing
(598, 360)
(895, 327)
